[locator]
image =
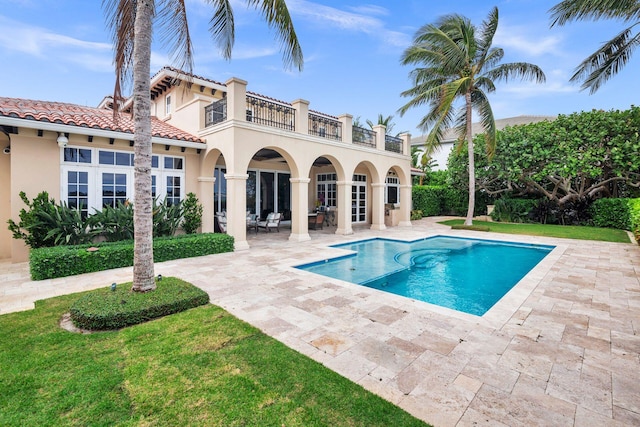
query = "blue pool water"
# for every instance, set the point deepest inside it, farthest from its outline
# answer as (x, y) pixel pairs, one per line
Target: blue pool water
(468, 275)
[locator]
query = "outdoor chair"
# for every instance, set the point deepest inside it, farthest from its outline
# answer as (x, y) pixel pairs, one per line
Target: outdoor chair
(315, 221)
(252, 222)
(271, 222)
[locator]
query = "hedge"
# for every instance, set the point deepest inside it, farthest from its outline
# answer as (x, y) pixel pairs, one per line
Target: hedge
(106, 309)
(611, 213)
(634, 214)
(443, 200)
(62, 261)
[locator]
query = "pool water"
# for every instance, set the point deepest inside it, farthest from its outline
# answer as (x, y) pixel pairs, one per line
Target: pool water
(468, 275)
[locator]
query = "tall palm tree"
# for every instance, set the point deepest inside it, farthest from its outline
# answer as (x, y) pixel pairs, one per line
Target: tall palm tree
(387, 122)
(458, 62)
(613, 55)
(132, 23)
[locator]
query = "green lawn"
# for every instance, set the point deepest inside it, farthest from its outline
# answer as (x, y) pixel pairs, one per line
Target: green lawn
(199, 367)
(564, 231)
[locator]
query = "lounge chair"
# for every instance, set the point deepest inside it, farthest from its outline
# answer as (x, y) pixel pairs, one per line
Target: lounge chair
(221, 222)
(316, 221)
(252, 222)
(271, 222)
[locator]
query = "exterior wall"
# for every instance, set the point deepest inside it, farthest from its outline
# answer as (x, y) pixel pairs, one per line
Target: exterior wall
(5, 198)
(35, 168)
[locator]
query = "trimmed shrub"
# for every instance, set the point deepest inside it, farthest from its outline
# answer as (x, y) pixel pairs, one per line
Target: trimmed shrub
(428, 199)
(192, 213)
(634, 214)
(62, 261)
(104, 309)
(416, 215)
(611, 213)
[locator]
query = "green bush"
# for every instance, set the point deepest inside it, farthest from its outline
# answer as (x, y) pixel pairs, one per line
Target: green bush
(634, 215)
(416, 215)
(166, 218)
(33, 227)
(104, 309)
(62, 261)
(192, 213)
(513, 210)
(428, 199)
(611, 213)
(115, 224)
(67, 226)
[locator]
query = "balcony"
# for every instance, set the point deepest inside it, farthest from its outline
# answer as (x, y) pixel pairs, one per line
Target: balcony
(297, 118)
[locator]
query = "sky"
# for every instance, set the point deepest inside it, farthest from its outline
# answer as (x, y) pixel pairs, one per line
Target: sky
(60, 50)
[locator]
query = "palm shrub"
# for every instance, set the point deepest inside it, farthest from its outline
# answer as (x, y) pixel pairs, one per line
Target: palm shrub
(114, 223)
(191, 213)
(166, 218)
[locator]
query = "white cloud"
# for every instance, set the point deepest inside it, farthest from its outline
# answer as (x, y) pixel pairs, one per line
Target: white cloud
(369, 9)
(523, 40)
(360, 22)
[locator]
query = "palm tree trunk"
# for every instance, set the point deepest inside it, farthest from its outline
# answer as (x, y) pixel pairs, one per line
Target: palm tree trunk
(472, 165)
(143, 275)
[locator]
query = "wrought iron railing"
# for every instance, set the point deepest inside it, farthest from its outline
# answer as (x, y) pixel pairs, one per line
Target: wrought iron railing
(269, 113)
(362, 136)
(325, 127)
(215, 113)
(393, 143)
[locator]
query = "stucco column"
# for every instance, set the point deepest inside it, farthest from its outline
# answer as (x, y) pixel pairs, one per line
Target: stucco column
(205, 194)
(237, 209)
(344, 207)
(406, 143)
(302, 115)
(347, 128)
(299, 203)
(236, 99)
(377, 206)
(380, 131)
(406, 203)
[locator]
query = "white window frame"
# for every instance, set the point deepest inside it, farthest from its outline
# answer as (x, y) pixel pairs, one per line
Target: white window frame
(392, 181)
(167, 103)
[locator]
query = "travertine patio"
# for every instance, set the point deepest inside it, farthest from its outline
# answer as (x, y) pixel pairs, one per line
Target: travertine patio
(563, 348)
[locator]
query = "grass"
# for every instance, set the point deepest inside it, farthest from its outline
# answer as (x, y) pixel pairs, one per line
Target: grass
(563, 231)
(198, 367)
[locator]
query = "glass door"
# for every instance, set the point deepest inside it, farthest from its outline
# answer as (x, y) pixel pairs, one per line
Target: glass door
(359, 199)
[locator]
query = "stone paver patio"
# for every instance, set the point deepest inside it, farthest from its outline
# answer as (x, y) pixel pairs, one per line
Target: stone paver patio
(561, 349)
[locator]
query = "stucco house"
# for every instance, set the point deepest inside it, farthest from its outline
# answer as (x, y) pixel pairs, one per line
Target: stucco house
(238, 151)
(441, 155)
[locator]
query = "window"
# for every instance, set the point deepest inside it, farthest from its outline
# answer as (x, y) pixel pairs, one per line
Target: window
(392, 195)
(327, 191)
(114, 189)
(92, 178)
(78, 191)
(77, 155)
(173, 190)
(168, 105)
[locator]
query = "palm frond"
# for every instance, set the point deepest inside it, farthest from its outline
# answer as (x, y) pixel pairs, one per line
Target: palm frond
(580, 10)
(120, 19)
(520, 70)
(607, 61)
(222, 26)
(276, 13)
(483, 107)
(485, 38)
(172, 19)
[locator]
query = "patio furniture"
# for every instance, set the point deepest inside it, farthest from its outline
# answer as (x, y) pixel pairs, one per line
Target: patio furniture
(271, 222)
(316, 221)
(220, 222)
(252, 222)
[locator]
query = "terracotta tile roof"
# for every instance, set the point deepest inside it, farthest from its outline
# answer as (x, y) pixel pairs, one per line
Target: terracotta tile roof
(87, 117)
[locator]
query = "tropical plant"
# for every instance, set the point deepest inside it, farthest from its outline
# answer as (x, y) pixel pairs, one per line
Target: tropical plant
(114, 223)
(166, 217)
(612, 55)
(67, 226)
(31, 228)
(459, 62)
(132, 24)
(192, 214)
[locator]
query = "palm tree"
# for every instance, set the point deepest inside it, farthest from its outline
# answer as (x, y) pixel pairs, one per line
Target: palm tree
(131, 23)
(613, 55)
(458, 62)
(385, 121)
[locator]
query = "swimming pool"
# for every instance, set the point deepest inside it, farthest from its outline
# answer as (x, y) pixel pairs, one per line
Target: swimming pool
(468, 275)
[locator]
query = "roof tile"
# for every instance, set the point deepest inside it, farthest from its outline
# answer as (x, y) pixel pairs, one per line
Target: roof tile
(88, 117)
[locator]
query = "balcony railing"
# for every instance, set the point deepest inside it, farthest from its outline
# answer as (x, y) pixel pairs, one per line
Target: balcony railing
(325, 127)
(362, 136)
(215, 113)
(269, 113)
(393, 144)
